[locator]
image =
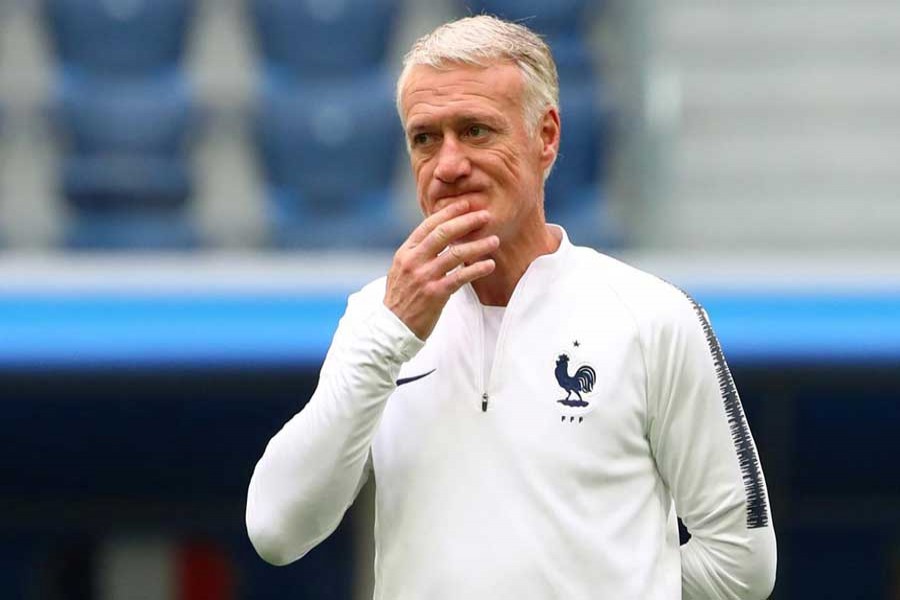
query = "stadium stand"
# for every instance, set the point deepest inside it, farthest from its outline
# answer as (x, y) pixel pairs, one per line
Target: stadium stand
(126, 113)
(124, 109)
(550, 18)
(330, 150)
(326, 128)
(119, 38)
(2, 127)
(299, 38)
(574, 193)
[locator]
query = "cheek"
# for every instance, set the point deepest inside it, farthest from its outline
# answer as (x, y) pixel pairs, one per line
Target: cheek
(518, 177)
(507, 167)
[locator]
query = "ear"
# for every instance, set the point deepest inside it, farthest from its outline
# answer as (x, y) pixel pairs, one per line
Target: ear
(549, 131)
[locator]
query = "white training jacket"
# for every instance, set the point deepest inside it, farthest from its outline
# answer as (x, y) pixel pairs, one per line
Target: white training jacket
(608, 410)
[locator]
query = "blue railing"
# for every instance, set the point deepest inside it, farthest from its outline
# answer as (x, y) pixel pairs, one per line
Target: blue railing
(272, 329)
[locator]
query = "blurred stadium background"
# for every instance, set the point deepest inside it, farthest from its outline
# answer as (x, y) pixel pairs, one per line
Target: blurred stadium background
(189, 189)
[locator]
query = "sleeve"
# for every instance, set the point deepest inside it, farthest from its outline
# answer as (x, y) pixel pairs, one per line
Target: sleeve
(707, 457)
(312, 470)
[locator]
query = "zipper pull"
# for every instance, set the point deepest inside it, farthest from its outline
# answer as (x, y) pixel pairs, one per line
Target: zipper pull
(484, 399)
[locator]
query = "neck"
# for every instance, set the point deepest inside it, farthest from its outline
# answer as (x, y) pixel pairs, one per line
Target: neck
(512, 259)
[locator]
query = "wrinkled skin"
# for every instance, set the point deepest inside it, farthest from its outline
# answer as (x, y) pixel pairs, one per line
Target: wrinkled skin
(478, 168)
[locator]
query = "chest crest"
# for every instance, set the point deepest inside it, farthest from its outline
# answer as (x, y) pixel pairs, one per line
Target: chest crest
(577, 385)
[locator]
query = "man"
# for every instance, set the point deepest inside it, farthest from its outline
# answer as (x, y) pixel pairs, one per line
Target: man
(534, 412)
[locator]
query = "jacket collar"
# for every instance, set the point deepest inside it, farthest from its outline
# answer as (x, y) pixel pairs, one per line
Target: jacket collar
(544, 268)
(548, 265)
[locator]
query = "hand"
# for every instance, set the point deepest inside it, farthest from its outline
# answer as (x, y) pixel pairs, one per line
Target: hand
(423, 275)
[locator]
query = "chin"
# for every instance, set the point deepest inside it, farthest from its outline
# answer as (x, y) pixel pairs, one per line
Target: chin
(480, 233)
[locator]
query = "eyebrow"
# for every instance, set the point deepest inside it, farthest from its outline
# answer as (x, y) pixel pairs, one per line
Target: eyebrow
(418, 128)
(460, 121)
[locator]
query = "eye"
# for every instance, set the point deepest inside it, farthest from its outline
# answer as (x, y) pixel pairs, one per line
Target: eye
(419, 139)
(476, 131)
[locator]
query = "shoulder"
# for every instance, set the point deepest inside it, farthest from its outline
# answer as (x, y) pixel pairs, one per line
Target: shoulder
(651, 300)
(369, 293)
(361, 303)
(672, 327)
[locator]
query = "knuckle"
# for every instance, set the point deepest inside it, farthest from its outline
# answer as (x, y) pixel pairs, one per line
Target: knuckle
(421, 277)
(402, 262)
(432, 290)
(441, 234)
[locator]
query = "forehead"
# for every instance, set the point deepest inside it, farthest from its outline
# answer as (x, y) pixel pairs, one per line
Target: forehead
(430, 93)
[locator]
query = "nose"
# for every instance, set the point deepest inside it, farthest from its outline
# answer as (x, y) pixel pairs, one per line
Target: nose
(452, 162)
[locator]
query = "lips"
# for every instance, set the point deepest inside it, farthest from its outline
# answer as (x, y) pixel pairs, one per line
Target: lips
(446, 199)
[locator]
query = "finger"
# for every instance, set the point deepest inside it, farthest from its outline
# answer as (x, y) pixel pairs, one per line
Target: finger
(458, 254)
(445, 214)
(445, 233)
(467, 274)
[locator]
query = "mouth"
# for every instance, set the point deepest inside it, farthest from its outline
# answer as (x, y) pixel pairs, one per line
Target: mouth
(447, 200)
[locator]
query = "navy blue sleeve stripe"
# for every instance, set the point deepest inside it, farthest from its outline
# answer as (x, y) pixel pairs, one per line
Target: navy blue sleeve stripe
(757, 509)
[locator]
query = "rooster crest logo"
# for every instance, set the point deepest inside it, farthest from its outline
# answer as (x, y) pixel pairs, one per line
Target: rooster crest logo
(582, 381)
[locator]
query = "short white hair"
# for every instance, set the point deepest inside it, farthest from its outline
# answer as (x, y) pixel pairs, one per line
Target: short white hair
(482, 41)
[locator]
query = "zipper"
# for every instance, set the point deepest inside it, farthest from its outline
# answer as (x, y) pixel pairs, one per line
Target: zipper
(482, 346)
(488, 378)
(497, 348)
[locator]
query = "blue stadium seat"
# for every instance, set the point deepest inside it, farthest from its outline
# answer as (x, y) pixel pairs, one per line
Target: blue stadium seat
(550, 18)
(126, 159)
(323, 37)
(559, 23)
(161, 230)
(122, 38)
(125, 110)
(573, 58)
(583, 141)
(574, 193)
(146, 116)
(329, 151)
